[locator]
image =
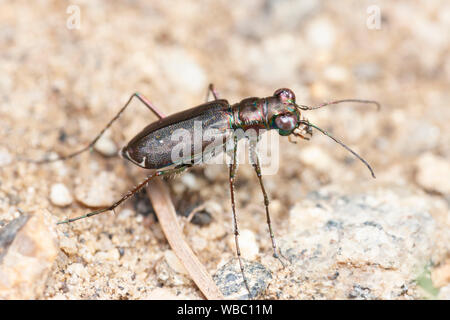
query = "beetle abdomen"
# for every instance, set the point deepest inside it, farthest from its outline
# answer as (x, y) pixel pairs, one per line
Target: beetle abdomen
(181, 137)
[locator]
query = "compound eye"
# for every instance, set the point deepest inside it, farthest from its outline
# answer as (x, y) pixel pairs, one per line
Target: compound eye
(286, 123)
(285, 94)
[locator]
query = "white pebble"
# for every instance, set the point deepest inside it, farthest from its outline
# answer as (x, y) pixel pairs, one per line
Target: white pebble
(77, 269)
(321, 33)
(97, 192)
(336, 74)
(198, 243)
(125, 214)
(60, 195)
(106, 146)
(110, 255)
(174, 263)
(247, 243)
(68, 245)
(5, 157)
(190, 181)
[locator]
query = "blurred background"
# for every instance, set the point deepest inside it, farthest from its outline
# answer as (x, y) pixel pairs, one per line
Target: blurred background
(66, 68)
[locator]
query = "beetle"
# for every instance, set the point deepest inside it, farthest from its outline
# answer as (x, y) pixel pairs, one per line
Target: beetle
(152, 147)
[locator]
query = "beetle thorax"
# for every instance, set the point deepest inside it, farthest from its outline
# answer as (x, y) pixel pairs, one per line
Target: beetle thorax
(250, 113)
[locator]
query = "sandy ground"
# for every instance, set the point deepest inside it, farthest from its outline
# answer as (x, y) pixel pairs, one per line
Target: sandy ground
(63, 78)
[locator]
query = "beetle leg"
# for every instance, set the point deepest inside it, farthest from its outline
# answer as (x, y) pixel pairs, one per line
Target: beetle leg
(256, 165)
(148, 104)
(144, 100)
(213, 92)
(160, 173)
(233, 167)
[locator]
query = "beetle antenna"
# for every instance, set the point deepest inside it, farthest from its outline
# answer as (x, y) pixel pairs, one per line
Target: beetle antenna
(307, 123)
(303, 107)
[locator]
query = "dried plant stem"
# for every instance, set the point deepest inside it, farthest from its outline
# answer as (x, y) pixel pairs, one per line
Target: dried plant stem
(160, 198)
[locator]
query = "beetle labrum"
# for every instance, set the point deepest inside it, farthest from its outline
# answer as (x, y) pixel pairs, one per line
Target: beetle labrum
(151, 148)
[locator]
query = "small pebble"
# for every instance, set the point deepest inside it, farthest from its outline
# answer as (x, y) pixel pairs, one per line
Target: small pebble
(5, 157)
(125, 214)
(247, 243)
(77, 269)
(167, 271)
(60, 195)
(321, 33)
(229, 279)
(110, 255)
(174, 263)
(190, 181)
(198, 243)
(68, 245)
(29, 258)
(433, 173)
(106, 146)
(97, 191)
(336, 74)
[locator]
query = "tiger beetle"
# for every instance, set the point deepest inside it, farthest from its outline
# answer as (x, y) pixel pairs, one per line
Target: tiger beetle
(151, 148)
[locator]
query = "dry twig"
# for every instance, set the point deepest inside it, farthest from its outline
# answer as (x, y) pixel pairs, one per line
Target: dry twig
(160, 198)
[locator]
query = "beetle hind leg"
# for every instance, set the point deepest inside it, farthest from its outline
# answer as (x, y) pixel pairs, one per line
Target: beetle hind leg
(143, 99)
(130, 193)
(213, 91)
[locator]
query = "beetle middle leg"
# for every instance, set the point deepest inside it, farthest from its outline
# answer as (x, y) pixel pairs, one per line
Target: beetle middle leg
(143, 99)
(233, 168)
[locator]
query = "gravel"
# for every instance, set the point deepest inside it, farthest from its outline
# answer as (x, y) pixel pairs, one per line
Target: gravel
(59, 87)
